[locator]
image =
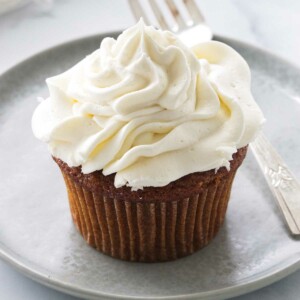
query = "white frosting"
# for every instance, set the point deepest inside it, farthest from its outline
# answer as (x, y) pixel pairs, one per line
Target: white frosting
(149, 109)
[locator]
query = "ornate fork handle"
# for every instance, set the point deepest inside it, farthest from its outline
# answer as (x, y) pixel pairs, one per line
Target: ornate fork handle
(281, 181)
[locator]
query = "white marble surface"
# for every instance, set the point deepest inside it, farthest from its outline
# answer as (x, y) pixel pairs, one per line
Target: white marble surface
(271, 24)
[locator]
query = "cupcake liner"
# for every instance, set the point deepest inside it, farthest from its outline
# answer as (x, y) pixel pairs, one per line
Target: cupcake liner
(149, 231)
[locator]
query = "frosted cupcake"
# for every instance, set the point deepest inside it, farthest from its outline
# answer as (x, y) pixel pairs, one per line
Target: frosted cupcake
(148, 135)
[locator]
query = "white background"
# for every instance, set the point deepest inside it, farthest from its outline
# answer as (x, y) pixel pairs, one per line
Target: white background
(271, 24)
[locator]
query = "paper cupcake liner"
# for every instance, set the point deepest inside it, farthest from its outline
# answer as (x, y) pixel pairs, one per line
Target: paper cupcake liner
(149, 231)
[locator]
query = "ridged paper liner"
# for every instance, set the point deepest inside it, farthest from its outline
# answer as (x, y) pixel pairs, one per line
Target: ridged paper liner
(149, 231)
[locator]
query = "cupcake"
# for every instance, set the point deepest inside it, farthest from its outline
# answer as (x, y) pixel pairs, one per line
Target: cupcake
(148, 135)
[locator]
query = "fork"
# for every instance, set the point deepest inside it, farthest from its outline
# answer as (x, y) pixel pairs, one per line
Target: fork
(192, 30)
(187, 30)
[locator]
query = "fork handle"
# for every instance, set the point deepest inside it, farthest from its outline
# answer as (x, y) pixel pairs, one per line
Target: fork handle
(281, 181)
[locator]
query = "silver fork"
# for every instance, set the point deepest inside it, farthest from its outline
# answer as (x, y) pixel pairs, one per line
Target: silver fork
(186, 29)
(193, 30)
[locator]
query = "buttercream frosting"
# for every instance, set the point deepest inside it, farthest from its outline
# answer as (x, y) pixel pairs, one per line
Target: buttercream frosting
(148, 108)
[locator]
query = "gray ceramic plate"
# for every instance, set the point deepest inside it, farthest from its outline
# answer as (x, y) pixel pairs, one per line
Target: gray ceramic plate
(37, 236)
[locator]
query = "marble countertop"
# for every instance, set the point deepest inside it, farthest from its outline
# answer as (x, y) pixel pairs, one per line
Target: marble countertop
(271, 24)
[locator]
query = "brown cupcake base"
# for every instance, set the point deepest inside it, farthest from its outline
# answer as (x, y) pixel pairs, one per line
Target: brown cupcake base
(150, 231)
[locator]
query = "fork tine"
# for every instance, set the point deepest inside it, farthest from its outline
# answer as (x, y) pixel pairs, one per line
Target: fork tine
(194, 11)
(138, 11)
(176, 14)
(159, 15)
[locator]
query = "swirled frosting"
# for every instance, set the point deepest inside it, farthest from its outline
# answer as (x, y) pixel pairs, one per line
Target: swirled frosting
(151, 110)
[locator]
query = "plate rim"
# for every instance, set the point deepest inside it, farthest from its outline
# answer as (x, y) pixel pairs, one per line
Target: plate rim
(273, 275)
(254, 282)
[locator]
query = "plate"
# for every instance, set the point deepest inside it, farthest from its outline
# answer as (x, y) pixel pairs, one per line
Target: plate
(37, 236)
